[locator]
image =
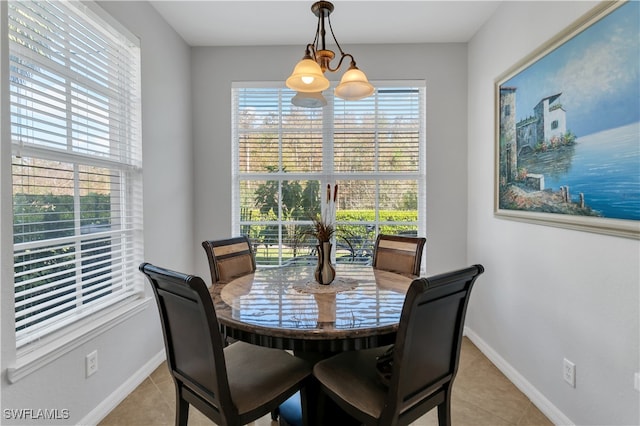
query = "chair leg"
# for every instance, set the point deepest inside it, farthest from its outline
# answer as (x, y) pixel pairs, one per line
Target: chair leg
(304, 405)
(444, 410)
(274, 414)
(182, 410)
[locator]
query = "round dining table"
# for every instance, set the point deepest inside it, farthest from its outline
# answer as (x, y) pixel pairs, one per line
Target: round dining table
(286, 308)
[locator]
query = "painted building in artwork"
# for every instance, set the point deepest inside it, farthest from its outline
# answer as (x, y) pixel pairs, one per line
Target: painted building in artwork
(548, 121)
(509, 160)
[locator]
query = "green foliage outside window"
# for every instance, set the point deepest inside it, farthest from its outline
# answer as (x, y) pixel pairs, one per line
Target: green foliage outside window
(43, 217)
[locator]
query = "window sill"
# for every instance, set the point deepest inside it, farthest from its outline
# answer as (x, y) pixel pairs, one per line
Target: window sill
(61, 344)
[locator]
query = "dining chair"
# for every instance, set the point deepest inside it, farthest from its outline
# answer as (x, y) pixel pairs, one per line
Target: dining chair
(397, 253)
(229, 258)
(423, 362)
(231, 385)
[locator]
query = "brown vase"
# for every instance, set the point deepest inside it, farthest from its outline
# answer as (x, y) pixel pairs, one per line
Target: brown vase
(325, 272)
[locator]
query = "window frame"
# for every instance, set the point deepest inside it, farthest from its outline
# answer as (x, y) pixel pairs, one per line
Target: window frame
(46, 344)
(328, 176)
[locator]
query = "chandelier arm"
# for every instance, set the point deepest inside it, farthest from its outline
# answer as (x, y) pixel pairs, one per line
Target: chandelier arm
(308, 75)
(315, 39)
(342, 56)
(335, 39)
(311, 51)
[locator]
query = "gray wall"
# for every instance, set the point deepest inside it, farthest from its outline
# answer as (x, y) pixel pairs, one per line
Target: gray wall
(548, 293)
(442, 66)
(128, 351)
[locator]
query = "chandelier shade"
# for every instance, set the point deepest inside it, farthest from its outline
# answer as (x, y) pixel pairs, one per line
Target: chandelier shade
(354, 85)
(307, 77)
(308, 74)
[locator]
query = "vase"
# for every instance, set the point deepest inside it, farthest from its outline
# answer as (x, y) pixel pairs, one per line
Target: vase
(325, 272)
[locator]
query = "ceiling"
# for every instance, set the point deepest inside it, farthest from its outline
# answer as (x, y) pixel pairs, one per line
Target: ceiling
(268, 22)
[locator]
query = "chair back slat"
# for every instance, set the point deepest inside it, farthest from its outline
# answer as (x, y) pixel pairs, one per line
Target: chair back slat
(397, 253)
(234, 267)
(233, 249)
(229, 258)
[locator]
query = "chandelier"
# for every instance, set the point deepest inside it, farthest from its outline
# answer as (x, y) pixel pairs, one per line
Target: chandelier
(308, 75)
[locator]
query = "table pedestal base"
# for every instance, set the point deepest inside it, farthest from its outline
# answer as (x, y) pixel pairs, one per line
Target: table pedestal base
(322, 410)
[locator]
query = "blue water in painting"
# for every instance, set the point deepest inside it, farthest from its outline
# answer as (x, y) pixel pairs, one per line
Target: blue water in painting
(606, 168)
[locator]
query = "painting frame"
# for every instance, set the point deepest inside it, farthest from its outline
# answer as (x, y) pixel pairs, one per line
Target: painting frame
(506, 139)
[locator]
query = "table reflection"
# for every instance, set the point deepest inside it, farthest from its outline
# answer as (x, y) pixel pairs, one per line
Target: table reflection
(326, 308)
(289, 298)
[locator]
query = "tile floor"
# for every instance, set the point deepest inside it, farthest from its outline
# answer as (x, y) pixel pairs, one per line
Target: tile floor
(482, 395)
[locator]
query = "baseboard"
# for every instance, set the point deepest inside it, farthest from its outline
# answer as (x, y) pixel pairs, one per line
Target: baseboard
(538, 399)
(556, 416)
(104, 408)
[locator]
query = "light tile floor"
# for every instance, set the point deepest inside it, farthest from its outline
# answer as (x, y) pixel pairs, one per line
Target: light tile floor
(482, 395)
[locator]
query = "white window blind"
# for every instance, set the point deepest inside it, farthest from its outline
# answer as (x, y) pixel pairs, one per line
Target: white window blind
(77, 164)
(285, 156)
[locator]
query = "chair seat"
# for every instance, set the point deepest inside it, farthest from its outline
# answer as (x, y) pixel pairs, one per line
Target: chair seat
(258, 375)
(352, 377)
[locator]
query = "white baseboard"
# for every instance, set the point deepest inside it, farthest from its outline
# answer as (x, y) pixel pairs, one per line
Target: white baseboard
(104, 408)
(538, 399)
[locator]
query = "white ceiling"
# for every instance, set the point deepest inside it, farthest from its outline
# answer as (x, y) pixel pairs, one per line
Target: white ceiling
(267, 22)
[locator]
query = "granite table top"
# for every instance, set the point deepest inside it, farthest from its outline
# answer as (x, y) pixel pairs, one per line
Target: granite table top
(285, 308)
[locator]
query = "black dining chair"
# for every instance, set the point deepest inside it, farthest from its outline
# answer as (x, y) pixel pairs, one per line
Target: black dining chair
(229, 258)
(398, 253)
(396, 387)
(231, 385)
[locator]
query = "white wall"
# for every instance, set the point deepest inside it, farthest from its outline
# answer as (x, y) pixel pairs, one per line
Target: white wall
(442, 66)
(547, 293)
(128, 351)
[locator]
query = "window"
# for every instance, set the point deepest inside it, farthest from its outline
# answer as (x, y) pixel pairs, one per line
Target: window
(77, 165)
(554, 124)
(285, 157)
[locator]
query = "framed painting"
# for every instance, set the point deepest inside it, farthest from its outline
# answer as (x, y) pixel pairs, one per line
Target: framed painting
(568, 127)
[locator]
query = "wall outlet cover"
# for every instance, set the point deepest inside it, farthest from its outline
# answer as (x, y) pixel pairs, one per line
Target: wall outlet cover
(569, 372)
(91, 363)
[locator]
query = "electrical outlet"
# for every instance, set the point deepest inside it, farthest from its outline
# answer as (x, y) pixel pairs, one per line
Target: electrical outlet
(569, 372)
(91, 363)
(636, 381)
